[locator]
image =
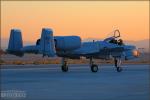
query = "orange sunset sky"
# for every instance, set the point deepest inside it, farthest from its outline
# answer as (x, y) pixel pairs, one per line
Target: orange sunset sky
(88, 19)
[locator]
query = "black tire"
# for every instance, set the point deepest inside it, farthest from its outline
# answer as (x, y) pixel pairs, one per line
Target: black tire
(94, 68)
(119, 69)
(64, 68)
(116, 63)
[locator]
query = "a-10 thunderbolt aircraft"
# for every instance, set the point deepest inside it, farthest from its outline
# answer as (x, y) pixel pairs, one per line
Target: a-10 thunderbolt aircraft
(71, 47)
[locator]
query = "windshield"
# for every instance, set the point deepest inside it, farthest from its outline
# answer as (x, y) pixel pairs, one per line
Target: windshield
(114, 38)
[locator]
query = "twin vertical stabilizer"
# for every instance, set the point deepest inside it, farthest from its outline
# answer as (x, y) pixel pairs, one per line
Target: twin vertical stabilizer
(47, 45)
(15, 42)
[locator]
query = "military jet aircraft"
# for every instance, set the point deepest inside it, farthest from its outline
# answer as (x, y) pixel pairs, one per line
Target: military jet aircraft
(71, 47)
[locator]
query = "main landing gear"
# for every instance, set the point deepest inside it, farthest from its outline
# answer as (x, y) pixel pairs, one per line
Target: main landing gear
(64, 66)
(94, 67)
(118, 64)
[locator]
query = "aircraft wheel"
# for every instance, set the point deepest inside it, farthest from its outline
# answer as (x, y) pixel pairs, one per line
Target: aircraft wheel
(64, 68)
(116, 63)
(119, 69)
(94, 68)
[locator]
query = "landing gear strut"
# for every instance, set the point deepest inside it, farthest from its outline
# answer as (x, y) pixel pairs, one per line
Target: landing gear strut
(64, 66)
(118, 64)
(94, 67)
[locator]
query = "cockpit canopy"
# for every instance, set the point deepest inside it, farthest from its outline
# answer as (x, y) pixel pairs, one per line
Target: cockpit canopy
(115, 38)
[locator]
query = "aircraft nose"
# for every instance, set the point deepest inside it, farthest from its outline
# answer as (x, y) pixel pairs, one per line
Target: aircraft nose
(136, 53)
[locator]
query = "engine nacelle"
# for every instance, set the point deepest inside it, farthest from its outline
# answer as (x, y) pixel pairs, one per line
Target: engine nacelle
(67, 42)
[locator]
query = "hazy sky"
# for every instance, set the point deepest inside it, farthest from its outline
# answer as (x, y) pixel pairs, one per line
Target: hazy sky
(88, 19)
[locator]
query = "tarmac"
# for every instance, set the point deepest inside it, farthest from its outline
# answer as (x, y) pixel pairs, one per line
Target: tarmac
(48, 82)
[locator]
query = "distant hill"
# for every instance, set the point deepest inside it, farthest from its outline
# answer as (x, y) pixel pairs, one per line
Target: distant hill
(140, 44)
(4, 43)
(91, 39)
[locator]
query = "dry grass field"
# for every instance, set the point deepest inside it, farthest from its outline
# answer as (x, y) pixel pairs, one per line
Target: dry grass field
(38, 59)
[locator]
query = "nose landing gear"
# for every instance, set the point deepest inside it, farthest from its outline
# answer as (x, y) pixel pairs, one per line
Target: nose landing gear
(118, 64)
(64, 66)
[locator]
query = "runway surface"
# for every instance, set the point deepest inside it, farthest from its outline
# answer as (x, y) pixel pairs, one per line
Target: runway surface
(48, 82)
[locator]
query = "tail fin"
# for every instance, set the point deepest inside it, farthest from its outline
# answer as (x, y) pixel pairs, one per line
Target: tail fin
(15, 42)
(47, 45)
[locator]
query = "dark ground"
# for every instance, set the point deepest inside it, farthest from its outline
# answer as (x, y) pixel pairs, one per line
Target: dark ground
(47, 82)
